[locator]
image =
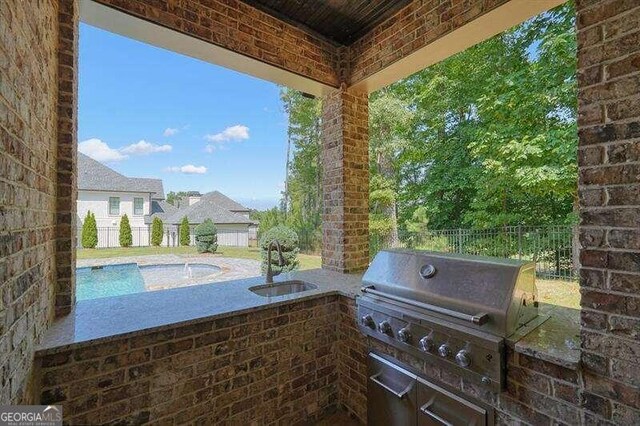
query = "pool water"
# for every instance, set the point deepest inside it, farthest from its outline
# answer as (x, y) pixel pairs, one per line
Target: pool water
(107, 281)
(118, 280)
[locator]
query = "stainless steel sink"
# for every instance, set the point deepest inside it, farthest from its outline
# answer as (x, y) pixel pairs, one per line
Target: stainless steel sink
(282, 288)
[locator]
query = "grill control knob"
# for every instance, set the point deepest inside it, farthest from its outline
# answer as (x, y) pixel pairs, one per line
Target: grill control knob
(384, 327)
(463, 358)
(444, 350)
(426, 344)
(367, 321)
(404, 335)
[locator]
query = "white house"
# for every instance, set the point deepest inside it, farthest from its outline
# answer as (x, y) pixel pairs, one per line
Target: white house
(109, 195)
(230, 217)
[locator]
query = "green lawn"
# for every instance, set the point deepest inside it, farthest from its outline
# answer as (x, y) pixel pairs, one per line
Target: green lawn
(306, 261)
(557, 292)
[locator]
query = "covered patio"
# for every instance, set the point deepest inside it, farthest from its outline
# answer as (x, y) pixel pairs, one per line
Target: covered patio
(202, 362)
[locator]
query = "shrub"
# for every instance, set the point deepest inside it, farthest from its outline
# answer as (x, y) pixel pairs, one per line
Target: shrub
(89, 231)
(125, 232)
(184, 232)
(206, 237)
(157, 231)
(289, 244)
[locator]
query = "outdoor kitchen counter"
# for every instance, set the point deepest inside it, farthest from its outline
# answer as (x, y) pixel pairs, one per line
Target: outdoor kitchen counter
(101, 320)
(557, 340)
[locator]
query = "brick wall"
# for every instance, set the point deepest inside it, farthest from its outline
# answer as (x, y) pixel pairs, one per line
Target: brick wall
(234, 25)
(66, 189)
(412, 28)
(345, 181)
(272, 365)
(28, 128)
(609, 189)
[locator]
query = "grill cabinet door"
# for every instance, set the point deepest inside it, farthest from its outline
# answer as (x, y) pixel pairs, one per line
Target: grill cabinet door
(391, 394)
(438, 407)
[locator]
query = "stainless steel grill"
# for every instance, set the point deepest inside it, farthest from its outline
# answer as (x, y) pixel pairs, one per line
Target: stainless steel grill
(455, 310)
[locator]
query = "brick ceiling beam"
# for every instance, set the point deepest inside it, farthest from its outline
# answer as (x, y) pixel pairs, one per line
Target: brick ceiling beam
(228, 33)
(426, 32)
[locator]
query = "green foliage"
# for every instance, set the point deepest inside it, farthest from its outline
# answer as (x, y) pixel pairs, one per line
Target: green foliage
(303, 196)
(483, 139)
(126, 239)
(89, 237)
(174, 198)
(268, 219)
(434, 243)
(157, 231)
(206, 237)
(390, 119)
(184, 232)
(289, 244)
(495, 137)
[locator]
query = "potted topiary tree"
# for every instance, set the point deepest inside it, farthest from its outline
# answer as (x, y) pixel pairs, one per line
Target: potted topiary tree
(125, 232)
(184, 232)
(157, 230)
(289, 244)
(89, 231)
(206, 237)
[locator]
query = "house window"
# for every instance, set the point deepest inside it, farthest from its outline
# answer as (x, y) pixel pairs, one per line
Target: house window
(114, 206)
(138, 206)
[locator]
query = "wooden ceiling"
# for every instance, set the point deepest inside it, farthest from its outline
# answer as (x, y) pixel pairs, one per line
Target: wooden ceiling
(342, 21)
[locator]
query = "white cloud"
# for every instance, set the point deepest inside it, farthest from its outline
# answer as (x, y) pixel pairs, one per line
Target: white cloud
(233, 133)
(143, 148)
(170, 131)
(100, 151)
(188, 169)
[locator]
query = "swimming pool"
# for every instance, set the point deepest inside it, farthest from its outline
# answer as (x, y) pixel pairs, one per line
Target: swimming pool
(117, 280)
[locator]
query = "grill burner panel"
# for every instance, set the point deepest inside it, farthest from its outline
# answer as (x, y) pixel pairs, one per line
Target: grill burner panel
(454, 311)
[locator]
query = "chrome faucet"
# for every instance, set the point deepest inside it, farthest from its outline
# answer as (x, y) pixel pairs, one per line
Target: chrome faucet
(270, 273)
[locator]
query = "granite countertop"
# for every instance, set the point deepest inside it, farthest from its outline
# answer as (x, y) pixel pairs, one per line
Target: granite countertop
(557, 340)
(116, 317)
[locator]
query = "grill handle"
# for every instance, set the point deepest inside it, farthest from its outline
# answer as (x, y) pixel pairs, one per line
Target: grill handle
(478, 319)
(425, 409)
(399, 395)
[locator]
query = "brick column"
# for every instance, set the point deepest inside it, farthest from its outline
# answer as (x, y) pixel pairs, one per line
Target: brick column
(609, 190)
(345, 181)
(66, 186)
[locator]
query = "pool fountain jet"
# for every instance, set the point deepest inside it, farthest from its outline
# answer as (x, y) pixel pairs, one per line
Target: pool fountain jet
(188, 273)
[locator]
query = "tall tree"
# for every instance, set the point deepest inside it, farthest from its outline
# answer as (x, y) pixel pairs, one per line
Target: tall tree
(304, 182)
(389, 120)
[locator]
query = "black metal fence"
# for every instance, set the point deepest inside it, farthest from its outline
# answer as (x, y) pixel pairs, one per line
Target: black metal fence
(552, 247)
(109, 236)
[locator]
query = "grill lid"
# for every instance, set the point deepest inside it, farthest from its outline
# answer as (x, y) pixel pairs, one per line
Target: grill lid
(492, 294)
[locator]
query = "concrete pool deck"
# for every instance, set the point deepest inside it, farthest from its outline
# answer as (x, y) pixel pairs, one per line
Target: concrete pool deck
(231, 268)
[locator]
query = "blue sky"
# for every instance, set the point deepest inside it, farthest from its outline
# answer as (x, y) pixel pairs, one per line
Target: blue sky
(202, 127)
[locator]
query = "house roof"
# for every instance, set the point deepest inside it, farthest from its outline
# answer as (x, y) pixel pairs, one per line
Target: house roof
(208, 208)
(225, 202)
(161, 209)
(95, 176)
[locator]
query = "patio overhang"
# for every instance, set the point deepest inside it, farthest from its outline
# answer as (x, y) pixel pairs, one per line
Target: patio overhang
(375, 45)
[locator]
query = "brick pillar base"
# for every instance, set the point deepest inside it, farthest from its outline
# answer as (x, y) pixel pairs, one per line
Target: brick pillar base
(345, 158)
